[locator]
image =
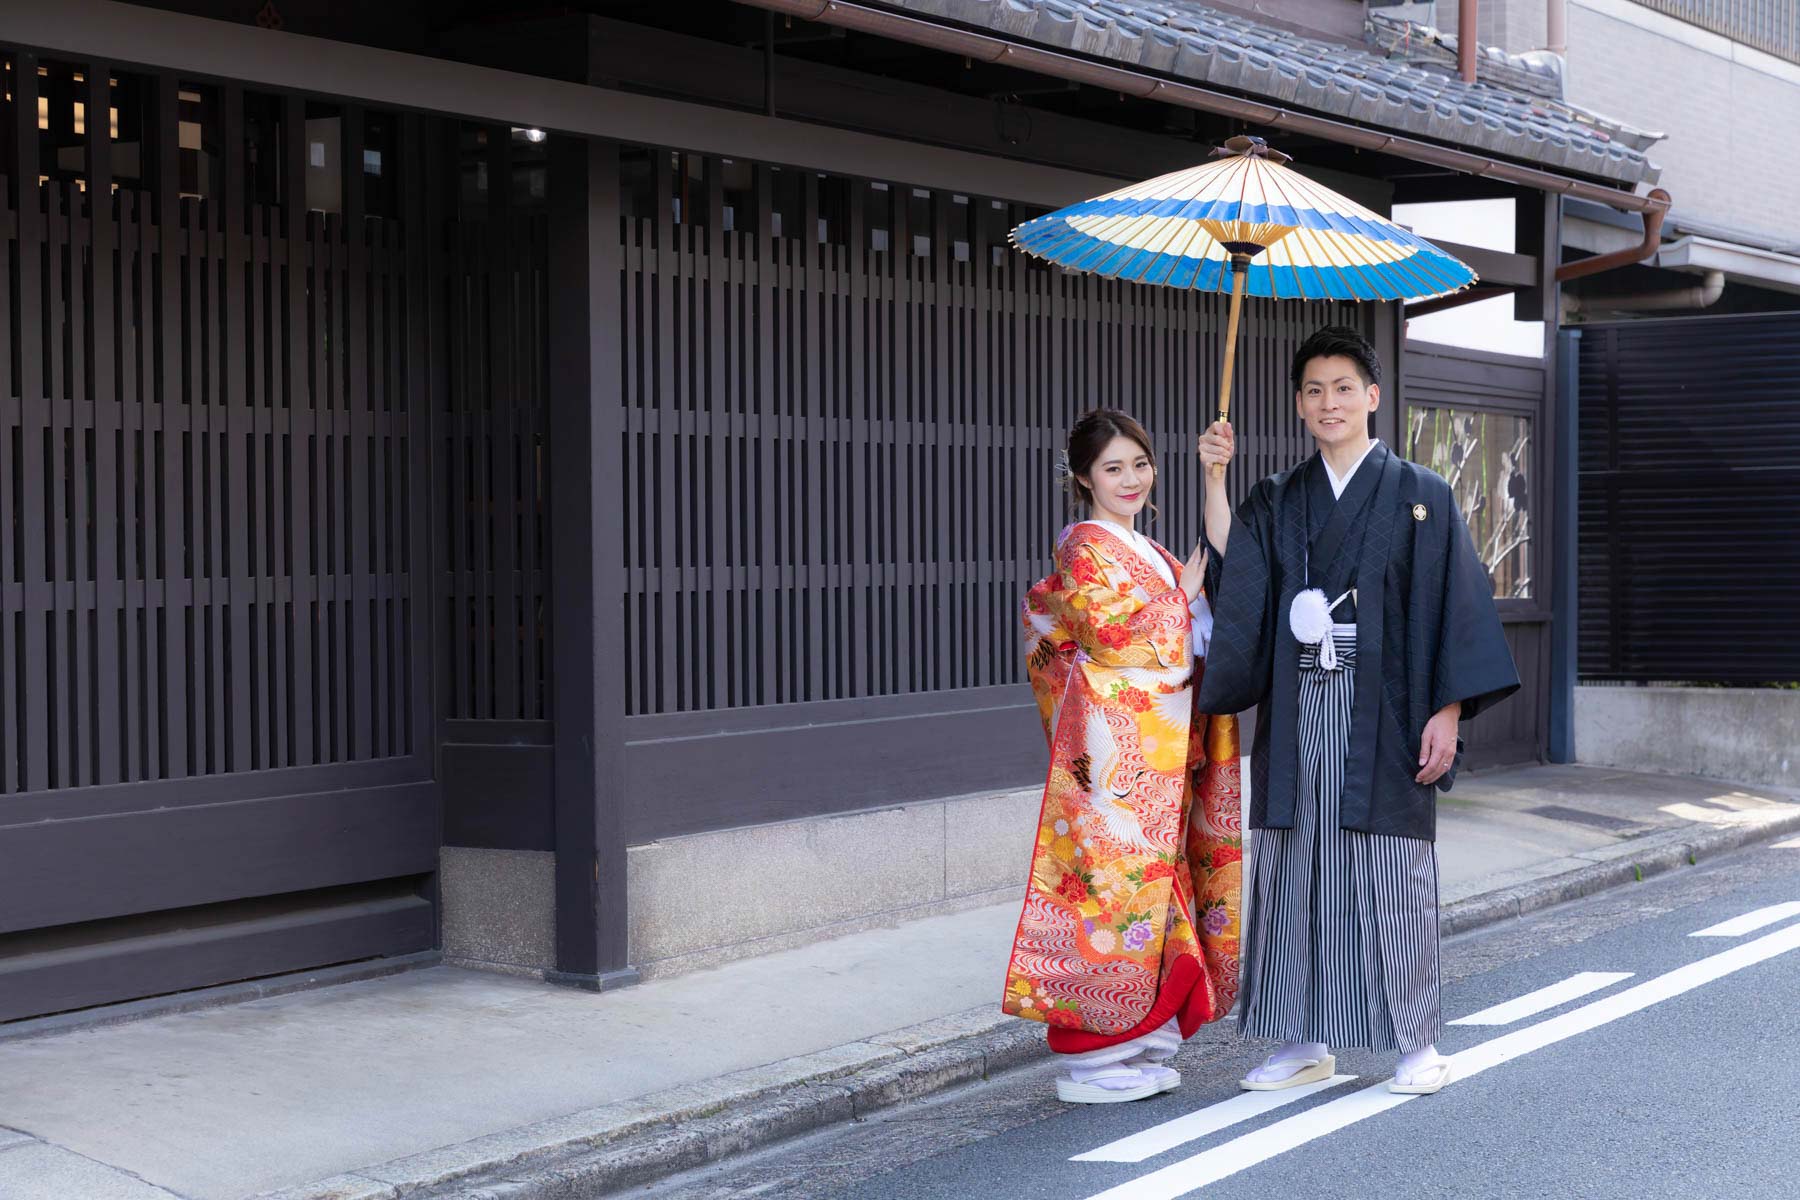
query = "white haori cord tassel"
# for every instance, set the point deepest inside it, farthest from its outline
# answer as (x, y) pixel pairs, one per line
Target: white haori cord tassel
(1309, 616)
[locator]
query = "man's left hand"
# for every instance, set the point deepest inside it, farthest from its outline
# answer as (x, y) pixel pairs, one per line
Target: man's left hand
(1437, 749)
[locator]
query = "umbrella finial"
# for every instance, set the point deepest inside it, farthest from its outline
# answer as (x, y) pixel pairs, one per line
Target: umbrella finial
(1255, 147)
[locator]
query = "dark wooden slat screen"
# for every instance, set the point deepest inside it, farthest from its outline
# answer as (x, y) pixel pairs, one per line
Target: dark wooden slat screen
(493, 483)
(1689, 533)
(200, 560)
(844, 400)
(212, 669)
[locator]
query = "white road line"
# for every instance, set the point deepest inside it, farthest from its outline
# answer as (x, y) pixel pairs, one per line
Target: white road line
(1209, 1166)
(1790, 844)
(1750, 922)
(1533, 1003)
(1206, 1121)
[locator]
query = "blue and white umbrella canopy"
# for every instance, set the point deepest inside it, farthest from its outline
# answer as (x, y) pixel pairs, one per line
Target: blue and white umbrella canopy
(1304, 241)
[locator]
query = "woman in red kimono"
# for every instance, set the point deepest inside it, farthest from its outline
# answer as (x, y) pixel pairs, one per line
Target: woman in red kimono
(1128, 941)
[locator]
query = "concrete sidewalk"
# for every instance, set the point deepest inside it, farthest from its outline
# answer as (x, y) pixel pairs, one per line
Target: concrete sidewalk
(448, 1082)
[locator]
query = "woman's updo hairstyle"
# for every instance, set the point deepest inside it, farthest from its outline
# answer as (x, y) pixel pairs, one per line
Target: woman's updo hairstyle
(1091, 434)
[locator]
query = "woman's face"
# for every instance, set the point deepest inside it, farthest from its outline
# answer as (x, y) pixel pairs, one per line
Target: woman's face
(1120, 480)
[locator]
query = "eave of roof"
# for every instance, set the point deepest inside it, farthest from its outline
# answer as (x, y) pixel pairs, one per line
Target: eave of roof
(1367, 85)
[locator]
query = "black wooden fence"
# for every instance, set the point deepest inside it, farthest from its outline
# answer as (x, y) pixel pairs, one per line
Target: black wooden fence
(214, 728)
(1690, 499)
(844, 401)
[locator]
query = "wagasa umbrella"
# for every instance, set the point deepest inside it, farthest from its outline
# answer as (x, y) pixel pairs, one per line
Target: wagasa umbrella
(1243, 223)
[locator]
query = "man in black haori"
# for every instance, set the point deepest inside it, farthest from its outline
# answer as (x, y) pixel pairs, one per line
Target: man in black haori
(1350, 607)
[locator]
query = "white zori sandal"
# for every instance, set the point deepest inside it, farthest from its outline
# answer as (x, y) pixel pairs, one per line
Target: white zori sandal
(1130, 1070)
(1427, 1081)
(1113, 1084)
(1312, 1070)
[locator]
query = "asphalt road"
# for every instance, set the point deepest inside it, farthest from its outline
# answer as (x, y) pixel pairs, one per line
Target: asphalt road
(1676, 1073)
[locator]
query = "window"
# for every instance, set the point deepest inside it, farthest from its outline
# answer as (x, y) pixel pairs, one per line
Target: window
(1486, 456)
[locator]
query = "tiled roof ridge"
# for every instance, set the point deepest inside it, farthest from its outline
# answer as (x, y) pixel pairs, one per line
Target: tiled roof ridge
(1538, 72)
(1368, 84)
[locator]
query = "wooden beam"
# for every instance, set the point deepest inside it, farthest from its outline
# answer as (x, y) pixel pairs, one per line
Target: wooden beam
(202, 49)
(674, 64)
(1496, 268)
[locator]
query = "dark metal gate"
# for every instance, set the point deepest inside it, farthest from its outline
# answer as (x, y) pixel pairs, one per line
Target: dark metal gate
(215, 738)
(1690, 480)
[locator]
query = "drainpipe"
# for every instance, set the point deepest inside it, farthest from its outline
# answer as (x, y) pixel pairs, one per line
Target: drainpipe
(1556, 26)
(1652, 240)
(1653, 222)
(1565, 540)
(1702, 295)
(1466, 39)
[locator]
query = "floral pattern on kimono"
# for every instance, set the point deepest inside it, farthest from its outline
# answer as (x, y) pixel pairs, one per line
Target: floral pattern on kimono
(1132, 911)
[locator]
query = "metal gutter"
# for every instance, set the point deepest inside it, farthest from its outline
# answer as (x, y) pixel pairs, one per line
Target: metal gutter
(862, 18)
(1747, 264)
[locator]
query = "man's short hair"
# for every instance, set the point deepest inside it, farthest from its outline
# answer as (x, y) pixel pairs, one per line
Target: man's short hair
(1333, 341)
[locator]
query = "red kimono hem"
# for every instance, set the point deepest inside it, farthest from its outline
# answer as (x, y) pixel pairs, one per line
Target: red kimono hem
(1183, 995)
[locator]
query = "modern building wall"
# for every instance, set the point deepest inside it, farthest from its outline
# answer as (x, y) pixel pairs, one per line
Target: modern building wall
(1731, 113)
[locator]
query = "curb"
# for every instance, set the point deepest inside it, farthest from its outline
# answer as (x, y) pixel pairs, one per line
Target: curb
(601, 1151)
(1629, 861)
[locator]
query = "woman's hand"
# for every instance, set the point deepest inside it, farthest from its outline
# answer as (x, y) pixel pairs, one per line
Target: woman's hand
(1193, 571)
(1437, 748)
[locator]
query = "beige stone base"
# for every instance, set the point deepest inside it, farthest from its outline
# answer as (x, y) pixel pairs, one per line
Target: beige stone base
(1747, 735)
(499, 909)
(710, 898)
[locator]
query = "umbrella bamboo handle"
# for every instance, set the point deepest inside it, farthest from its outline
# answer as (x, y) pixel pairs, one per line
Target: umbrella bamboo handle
(1240, 270)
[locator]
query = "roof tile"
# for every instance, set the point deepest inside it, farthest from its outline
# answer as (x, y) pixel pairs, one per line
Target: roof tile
(1402, 78)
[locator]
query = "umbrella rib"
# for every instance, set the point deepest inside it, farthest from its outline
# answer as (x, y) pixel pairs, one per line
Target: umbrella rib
(1279, 178)
(1345, 244)
(1195, 231)
(1360, 246)
(1320, 250)
(1245, 189)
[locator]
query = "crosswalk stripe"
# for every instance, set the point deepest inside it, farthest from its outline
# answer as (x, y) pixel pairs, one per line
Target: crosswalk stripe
(1204, 1122)
(1209, 1166)
(1532, 1003)
(1750, 922)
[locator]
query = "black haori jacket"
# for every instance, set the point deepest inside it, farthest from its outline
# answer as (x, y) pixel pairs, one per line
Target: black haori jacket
(1427, 634)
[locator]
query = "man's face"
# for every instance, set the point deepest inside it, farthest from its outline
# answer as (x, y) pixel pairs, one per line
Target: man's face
(1334, 401)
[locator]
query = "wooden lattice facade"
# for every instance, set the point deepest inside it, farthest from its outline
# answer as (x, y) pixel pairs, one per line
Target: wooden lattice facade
(379, 483)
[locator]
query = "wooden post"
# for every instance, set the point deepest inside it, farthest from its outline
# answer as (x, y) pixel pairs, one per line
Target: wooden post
(587, 579)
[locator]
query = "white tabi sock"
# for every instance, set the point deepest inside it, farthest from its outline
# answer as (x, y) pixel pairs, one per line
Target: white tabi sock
(1157, 1046)
(1116, 1067)
(1291, 1059)
(1415, 1064)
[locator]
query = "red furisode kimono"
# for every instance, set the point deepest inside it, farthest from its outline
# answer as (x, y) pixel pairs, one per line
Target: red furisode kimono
(1131, 914)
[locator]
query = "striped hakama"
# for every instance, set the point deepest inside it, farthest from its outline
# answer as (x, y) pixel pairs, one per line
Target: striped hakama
(1342, 944)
